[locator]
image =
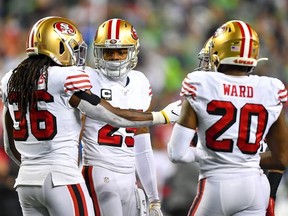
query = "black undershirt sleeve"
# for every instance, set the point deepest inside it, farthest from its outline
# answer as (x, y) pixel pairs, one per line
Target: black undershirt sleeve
(91, 98)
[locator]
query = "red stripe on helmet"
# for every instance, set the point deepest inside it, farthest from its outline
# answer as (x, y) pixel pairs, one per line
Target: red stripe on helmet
(242, 40)
(117, 28)
(250, 42)
(30, 39)
(109, 29)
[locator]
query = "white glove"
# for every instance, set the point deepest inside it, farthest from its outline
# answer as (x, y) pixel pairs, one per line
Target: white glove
(155, 209)
(172, 111)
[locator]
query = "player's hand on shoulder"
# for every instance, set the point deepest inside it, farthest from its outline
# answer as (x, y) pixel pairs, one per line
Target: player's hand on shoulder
(172, 112)
(155, 208)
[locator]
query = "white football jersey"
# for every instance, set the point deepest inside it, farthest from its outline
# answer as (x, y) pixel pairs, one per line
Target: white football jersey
(234, 115)
(48, 137)
(103, 144)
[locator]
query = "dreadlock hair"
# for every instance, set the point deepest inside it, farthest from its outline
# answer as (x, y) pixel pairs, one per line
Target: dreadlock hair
(24, 81)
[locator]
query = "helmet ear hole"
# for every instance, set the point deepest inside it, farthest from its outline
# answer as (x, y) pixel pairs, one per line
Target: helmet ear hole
(61, 48)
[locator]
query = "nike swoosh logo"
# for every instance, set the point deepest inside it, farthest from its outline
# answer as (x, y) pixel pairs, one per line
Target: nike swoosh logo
(172, 111)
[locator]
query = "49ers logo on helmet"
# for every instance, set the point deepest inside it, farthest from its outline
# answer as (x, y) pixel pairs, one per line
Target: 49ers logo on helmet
(113, 41)
(65, 28)
(134, 33)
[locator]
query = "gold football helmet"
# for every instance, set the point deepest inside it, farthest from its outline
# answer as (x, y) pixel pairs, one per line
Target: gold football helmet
(234, 43)
(116, 34)
(59, 39)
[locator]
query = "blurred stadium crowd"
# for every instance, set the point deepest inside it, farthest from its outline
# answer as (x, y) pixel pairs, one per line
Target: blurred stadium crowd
(171, 33)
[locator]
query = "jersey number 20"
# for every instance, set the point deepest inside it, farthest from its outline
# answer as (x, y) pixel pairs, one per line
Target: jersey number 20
(245, 124)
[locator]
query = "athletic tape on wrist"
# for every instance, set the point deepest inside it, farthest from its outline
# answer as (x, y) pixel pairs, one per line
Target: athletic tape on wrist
(158, 118)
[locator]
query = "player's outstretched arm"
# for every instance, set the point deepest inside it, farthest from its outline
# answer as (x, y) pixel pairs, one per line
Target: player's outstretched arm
(96, 108)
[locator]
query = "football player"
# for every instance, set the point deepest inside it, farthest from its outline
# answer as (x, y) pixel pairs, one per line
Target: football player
(233, 111)
(43, 97)
(274, 176)
(110, 154)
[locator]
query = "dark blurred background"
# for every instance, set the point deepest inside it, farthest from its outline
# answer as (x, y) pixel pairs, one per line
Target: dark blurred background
(171, 33)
